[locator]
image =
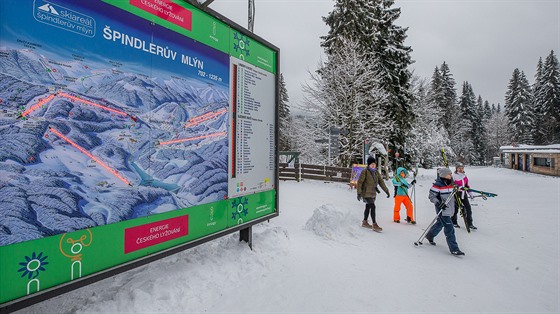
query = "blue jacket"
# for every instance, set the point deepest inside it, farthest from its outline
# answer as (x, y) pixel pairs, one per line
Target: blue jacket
(400, 182)
(440, 191)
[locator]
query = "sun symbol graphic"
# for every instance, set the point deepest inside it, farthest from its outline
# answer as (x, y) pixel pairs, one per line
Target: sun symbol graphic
(240, 204)
(241, 43)
(32, 266)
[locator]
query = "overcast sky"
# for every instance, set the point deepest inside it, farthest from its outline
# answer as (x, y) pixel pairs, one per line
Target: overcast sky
(482, 41)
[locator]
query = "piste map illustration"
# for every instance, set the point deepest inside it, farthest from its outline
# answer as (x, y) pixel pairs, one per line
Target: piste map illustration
(130, 121)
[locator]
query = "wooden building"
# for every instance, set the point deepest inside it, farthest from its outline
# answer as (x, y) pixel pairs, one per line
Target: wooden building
(532, 158)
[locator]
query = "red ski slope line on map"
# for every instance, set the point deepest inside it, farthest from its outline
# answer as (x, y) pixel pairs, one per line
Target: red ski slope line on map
(92, 103)
(204, 117)
(111, 170)
(192, 138)
(87, 102)
(39, 104)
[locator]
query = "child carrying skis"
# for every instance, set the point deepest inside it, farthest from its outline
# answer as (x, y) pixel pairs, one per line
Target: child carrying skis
(440, 191)
(401, 196)
(461, 180)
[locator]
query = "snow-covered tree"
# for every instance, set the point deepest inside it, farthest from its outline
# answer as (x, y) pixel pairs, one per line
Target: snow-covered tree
(371, 24)
(538, 109)
(435, 92)
(283, 116)
(518, 107)
(461, 123)
(478, 154)
(427, 136)
(496, 132)
(487, 110)
(467, 102)
(305, 133)
(549, 95)
(447, 103)
(346, 93)
(442, 94)
(353, 20)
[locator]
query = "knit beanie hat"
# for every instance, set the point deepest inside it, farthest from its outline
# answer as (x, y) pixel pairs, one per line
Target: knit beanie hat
(370, 160)
(442, 172)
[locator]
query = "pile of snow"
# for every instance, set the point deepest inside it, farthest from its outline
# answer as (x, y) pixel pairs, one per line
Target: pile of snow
(331, 223)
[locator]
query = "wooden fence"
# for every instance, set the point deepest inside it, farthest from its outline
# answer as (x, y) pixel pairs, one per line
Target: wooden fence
(313, 172)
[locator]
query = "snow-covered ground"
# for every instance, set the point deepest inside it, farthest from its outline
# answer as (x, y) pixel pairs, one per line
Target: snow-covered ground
(315, 257)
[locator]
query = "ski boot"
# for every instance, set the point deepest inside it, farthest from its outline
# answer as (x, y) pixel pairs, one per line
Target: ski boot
(431, 240)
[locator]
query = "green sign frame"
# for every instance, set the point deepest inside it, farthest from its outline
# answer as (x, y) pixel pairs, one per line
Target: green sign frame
(35, 270)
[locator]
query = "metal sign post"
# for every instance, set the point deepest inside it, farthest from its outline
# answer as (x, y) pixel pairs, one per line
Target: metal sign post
(251, 15)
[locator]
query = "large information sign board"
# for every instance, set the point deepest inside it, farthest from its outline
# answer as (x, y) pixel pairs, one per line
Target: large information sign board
(252, 151)
(127, 128)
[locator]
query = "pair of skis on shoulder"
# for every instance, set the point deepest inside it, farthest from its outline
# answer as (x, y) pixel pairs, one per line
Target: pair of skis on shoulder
(482, 194)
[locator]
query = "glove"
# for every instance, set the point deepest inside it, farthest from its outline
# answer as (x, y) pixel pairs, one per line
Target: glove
(442, 206)
(413, 182)
(359, 198)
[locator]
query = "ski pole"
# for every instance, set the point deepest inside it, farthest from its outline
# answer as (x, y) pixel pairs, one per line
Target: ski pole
(414, 191)
(419, 241)
(401, 186)
(442, 207)
(461, 209)
(414, 203)
(483, 197)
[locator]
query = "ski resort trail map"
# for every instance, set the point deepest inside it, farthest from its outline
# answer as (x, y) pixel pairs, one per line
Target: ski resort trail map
(92, 136)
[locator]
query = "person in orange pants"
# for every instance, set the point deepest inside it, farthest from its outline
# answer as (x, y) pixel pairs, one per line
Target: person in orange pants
(401, 196)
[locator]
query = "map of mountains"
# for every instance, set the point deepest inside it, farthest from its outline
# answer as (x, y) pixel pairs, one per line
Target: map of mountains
(86, 143)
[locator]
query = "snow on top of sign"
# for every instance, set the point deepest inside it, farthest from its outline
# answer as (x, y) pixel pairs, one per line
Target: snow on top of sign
(380, 148)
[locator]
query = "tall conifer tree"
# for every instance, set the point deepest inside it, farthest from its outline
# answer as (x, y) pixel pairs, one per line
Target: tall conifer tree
(478, 155)
(518, 108)
(550, 96)
(283, 116)
(538, 109)
(427, 136)
(371, 23)
(462, 124)
(449, 96)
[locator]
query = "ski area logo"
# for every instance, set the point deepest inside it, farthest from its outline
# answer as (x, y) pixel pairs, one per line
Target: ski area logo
(48, 8)
(64, 18)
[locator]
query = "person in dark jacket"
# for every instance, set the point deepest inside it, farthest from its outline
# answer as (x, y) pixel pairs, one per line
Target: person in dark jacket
(367, 191)
(439, 193)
